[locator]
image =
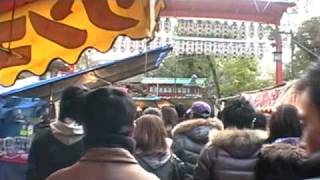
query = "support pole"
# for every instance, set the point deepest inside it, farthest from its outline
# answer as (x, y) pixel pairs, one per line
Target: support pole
(278, 60)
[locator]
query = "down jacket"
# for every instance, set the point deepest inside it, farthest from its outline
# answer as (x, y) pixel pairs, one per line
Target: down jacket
(230, 155)
(189, 137)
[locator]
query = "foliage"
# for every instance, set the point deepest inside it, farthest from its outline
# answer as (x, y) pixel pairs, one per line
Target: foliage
(300, 64)
(234, 75)
(309, 36)
(240, 75)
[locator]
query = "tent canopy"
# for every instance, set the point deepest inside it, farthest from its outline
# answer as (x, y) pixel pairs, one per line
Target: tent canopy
(98, 76)
(33, 33)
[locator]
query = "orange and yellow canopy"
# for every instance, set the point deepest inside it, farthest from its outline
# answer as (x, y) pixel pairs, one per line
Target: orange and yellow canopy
(34, 34)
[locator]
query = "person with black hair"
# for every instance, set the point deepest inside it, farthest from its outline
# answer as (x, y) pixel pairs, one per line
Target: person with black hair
(181, 110)
(259, 121)
(191, 135)
(108, 124)
(62, 144)
(309, 86)
(231, 154)
(239, 114)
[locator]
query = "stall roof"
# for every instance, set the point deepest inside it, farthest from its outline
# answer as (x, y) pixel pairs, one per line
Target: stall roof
(92, 78)
(65, 29)
(182, 81)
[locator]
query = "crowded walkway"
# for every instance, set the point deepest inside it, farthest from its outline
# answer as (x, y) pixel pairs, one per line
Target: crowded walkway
(99, 135)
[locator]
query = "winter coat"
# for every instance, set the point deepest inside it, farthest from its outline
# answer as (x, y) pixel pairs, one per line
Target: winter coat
(165, 165)
(279, 161)
(231, 154)
(105, 164)
(189, 137)
(54, 149)
(310, 168)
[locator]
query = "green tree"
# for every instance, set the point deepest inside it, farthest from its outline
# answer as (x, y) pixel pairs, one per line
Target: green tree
(230, 75)
(308, 35)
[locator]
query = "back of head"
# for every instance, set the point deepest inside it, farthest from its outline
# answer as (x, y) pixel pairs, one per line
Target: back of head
(181, 110)
(150, 133)
(259, 121)
(285, 123)
(109, 112)
(153, 111)
(72, 104)
(239, 114)
(169, 115)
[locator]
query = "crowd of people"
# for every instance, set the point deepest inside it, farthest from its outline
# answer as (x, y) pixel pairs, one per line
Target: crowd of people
(99, 135)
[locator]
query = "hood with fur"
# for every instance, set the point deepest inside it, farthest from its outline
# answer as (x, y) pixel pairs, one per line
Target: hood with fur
(188, 125)
(283, 151)
(238, 143)
(197, 129)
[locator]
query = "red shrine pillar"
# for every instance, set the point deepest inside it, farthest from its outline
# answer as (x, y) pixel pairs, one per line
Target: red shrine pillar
(278, 58)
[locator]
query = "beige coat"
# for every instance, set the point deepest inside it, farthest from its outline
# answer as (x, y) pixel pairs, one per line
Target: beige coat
(104, 164)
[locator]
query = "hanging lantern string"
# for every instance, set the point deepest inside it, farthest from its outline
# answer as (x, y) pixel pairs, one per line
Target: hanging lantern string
(256, 5)
(266, 6)
(11, 24)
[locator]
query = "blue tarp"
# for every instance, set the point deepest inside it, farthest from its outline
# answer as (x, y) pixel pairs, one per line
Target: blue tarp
(111, 71)
(15, 112)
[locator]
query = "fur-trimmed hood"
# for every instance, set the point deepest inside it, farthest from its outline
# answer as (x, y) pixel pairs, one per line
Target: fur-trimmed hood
(188, 125)
(238, 143)
(197, 130)
(282, 151)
